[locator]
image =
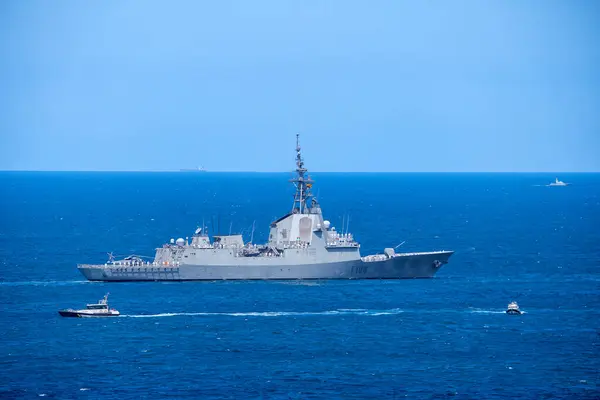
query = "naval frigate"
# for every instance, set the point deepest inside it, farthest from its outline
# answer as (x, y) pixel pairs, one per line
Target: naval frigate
(301, 245)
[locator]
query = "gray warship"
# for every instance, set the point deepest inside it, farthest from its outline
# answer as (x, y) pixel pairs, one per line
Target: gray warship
(301, 245)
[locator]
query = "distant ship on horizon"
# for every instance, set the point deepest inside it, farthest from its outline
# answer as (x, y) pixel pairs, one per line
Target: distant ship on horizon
(558, 183)
(197, 169)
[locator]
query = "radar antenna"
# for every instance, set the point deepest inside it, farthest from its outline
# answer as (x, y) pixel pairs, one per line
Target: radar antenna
(302, 183)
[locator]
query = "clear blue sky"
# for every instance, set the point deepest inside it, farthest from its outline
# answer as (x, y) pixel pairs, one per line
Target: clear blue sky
(372, 86)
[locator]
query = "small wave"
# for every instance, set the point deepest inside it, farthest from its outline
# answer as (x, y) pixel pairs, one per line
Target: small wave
(274, 313)
(42, 283)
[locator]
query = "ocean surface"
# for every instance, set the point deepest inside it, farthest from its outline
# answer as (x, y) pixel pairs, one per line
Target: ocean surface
(446, 337)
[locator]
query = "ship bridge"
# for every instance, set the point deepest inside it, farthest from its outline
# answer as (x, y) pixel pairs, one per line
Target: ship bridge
(305, 223)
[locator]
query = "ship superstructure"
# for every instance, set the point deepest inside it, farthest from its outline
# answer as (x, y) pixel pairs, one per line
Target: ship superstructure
(301, 245)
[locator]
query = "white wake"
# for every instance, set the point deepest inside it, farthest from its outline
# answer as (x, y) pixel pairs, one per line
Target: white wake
(364, 312)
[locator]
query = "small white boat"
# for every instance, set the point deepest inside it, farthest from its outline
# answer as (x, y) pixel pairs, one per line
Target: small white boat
(558, 183)
(100, 309)
(513, 308)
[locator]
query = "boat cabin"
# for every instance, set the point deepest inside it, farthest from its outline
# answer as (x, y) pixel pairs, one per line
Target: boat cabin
(97, 306)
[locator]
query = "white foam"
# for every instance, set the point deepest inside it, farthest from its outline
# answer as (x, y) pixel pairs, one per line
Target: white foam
(156, 315)
(389, 312)
(301, 283)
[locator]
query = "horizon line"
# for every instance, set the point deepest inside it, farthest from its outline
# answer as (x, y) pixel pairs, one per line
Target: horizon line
(292, 171)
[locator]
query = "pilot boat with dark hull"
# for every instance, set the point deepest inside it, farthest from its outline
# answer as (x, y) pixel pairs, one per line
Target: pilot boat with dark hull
(301, 245)
(100, 309)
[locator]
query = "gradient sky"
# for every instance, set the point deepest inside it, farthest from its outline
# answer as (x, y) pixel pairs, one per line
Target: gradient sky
(371, 86)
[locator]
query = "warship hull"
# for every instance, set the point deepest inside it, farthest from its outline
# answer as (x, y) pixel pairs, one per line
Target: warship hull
(401, 266)
(302, 244)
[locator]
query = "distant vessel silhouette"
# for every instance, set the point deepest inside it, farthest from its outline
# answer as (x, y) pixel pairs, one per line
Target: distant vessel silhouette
(197, 169)
(558, 183)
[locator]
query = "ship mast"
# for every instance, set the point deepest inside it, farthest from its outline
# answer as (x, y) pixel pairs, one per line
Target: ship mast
(302, 183)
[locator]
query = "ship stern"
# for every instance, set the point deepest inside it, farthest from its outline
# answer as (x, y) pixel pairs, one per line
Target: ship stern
(92, 272)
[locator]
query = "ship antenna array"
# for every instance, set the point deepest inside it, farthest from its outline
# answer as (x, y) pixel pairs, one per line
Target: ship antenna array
(345, 224)
(348, 224)
(302, 183)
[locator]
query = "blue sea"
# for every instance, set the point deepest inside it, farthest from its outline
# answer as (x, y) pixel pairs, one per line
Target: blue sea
(446, 337)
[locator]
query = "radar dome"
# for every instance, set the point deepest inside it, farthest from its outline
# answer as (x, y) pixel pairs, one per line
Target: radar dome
(172, 241)
(180, 242)
(326, 224)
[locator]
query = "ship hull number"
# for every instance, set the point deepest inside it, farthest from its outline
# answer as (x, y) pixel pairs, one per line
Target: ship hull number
(359, 269)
